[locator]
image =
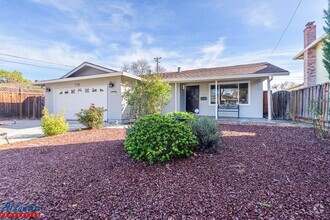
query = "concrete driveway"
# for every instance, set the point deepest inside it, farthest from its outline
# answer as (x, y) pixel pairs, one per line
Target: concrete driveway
(21, 130)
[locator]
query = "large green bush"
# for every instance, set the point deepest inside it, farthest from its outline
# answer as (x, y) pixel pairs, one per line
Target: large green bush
(157, 138)
(182, 116)
(53, 125)
(91, 117)
(208, 134)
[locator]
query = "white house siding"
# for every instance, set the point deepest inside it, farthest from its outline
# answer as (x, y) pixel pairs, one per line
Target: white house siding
(253, 110)
(112, 104)
(114, 99)
(321, 72)
(170, 107)
(126, 84)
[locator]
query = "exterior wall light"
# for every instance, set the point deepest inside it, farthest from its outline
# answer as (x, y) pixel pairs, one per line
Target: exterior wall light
(111, 84)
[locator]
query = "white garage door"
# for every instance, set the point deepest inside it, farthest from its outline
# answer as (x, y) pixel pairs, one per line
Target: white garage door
(72, 100)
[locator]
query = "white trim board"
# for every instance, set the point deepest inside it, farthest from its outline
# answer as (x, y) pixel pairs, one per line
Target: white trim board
(227, 77)
(106, 75)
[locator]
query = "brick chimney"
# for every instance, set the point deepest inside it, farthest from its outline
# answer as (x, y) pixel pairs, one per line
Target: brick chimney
(309, 55)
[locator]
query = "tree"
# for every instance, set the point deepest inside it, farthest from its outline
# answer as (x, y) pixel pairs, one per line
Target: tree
(326, 46)
(12, 77)
(126, 68)
(140, 67)
(283, 86)
(161, 69)
(148, 96)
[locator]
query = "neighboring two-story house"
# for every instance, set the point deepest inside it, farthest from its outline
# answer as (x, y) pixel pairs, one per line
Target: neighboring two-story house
(312, 54)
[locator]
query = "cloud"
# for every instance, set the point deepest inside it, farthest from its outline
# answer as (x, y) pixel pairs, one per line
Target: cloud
(211, 53)
(138, 39)
(149, 54)
(55, 52)
(91, 22)
(199, 56)
(84, 28)
(260, 16)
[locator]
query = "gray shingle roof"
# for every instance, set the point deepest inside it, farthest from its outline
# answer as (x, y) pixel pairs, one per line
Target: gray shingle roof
(256, 68)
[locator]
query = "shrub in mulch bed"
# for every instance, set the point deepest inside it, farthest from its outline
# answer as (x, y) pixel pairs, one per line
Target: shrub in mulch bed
(157, 138)
(53, 124)
(91, 117)
(208, 134)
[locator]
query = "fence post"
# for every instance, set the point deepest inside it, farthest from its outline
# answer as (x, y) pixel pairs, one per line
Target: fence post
(20, 103)
(34, 108)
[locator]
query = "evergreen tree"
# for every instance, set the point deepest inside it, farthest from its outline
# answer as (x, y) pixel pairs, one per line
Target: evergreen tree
(326, 42)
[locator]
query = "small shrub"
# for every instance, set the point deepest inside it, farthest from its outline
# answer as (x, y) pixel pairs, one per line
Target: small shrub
(320, 125)
(91, 117)
(182, 116)
(208, 134)
(53, 125)
(157, 138)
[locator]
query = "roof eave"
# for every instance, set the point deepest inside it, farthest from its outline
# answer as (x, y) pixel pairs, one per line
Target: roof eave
(234, 77)
(89, 65)
(300, 55)
(107, 75)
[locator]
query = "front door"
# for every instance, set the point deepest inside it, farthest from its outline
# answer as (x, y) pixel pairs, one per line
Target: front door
(192, 98)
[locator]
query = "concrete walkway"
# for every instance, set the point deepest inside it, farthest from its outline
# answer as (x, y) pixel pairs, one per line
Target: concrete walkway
(263, 121)
(21, 130)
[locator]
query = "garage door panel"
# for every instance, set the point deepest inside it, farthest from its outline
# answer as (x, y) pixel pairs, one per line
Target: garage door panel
(72, 100)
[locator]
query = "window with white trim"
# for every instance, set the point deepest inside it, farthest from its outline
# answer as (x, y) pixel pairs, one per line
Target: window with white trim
(233, 93)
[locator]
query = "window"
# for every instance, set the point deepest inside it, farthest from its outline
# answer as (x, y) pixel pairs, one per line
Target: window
(243, 93)
(235, 93)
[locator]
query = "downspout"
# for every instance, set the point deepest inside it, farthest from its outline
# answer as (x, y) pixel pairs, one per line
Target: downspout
(175, 97)
(216, 99)
(269, 99)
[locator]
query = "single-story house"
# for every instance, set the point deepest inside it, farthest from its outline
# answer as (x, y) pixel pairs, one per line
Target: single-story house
(201, 91)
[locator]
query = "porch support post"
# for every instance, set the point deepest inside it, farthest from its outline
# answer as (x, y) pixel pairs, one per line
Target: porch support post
(175, 97)
(216, 100)
(269, 100)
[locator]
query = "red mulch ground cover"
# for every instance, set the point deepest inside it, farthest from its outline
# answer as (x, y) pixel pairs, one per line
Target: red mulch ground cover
(261, 172)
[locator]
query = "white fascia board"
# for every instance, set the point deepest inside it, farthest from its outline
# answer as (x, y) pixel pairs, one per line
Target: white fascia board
(300, 55)
(130, 75)
(106, 75)
(234, 77)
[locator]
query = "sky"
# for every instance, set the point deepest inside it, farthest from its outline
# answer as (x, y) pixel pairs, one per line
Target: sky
(187, 33)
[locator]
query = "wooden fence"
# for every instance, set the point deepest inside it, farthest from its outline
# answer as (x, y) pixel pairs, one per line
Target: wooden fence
(21, 102)
(298, 104)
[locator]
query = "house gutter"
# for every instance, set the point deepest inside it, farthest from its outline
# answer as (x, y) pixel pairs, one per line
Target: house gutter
(213, 78)
(70, 79)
